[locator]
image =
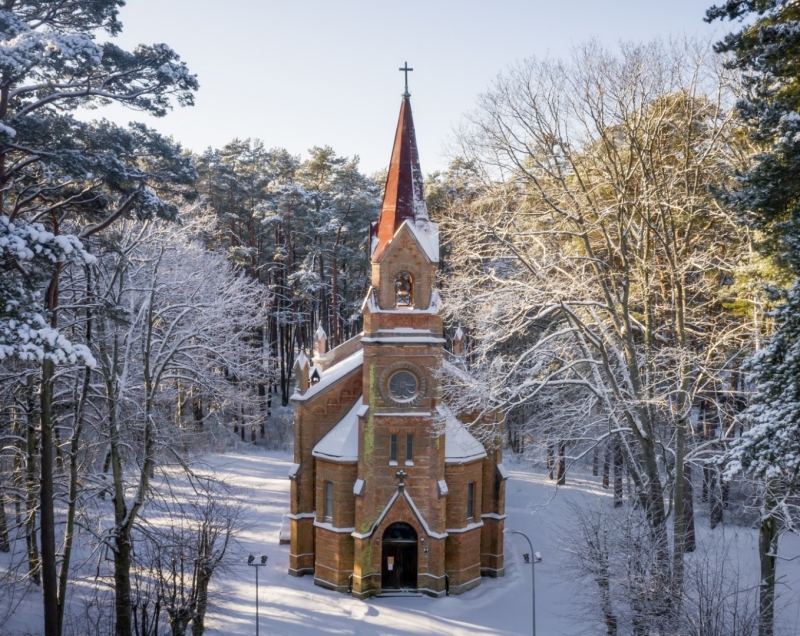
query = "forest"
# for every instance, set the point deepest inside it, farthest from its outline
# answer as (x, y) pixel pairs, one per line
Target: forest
(619, 245)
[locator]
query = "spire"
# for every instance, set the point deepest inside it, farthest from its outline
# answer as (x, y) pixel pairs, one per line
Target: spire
(404, 198)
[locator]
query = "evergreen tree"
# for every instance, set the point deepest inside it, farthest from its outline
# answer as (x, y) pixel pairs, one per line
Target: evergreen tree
(300, 228)
(770, 449)
(767, 51)
(74, 177)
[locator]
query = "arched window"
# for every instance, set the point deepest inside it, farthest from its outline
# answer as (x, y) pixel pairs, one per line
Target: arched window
(404, 290)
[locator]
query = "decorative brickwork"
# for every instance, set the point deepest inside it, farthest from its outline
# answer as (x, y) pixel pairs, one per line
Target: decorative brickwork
(370, 456)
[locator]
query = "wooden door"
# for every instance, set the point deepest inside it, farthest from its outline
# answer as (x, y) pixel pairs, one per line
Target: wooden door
(399, 558)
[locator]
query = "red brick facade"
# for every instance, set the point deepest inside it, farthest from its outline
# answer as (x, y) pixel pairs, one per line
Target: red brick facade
(355, 489)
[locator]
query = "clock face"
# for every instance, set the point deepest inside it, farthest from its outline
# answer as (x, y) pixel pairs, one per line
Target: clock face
(403, 386)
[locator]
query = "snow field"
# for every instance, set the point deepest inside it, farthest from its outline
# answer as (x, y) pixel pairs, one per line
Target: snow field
(291, 606)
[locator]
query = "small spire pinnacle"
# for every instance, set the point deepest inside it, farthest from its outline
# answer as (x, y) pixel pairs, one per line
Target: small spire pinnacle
(405, 70)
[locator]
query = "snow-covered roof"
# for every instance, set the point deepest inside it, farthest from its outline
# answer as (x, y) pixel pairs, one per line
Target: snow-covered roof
(331, 375)
(341, 443)
(320, 333)
(427, 235)
(301, 360)
(459, 444)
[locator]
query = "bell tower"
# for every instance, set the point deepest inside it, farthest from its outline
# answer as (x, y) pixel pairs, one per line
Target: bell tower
(401, 468)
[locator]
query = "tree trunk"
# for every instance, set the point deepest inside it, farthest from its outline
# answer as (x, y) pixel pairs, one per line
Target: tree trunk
(596, 461)
(47, 515)
(618, 468)
(334, 302)
(197, 409)
(715, 498)
(679, 513)
(69, 531)
(199, 622)
(561, 464)
(550, 461)
(606, 465)
(5, 546)
(767, 553)
(122, 581)
(32, 494)
(690, 541)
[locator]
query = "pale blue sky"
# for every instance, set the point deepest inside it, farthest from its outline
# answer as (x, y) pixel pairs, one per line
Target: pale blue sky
(298, 73)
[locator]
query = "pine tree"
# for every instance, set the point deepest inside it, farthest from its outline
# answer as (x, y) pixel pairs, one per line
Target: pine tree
(767, 51)
(75, 177)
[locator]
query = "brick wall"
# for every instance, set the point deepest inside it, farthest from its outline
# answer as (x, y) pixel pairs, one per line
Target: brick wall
(403, 255)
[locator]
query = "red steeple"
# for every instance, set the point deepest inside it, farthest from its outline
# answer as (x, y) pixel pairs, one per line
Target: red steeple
(404, 198)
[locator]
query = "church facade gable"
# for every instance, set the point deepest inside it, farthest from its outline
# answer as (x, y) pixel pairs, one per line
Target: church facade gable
(383, 497)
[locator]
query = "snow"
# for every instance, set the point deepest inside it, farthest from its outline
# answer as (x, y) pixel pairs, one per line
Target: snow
(7, 130)
(332, 375)
(459, 444)
(341, 443)
(291, 606)
(502, 470)
(320, 333)
(406, 340)
(427, 235)
(466, 528)
(301, 361)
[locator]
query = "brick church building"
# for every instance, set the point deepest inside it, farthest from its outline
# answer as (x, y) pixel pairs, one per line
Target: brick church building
(390, 491)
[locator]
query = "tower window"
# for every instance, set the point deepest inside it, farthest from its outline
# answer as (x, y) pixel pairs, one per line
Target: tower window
(328, 500)
(404, 290)
(409, 448)
(393, 448)
(403, 386)
(471, 500)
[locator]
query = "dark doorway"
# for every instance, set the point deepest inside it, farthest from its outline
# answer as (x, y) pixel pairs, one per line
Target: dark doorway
(399, 558)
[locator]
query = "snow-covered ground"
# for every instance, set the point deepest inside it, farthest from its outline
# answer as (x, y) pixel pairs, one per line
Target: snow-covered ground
(296, 607)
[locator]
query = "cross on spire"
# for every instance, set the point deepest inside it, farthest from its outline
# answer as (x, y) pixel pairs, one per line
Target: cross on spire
(405, 70)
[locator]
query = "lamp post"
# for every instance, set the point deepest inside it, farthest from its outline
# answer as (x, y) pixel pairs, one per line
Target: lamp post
(250, 560)
(533, 558)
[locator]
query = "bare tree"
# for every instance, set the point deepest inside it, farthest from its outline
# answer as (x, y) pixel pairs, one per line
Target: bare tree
(594, 268)
(180, 314)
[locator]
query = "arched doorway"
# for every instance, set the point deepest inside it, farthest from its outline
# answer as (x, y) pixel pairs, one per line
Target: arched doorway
(399, 557)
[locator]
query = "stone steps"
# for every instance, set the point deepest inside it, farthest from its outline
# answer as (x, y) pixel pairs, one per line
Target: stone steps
(399, 594)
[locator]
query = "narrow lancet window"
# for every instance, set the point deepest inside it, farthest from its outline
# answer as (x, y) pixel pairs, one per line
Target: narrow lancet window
(471, 500)
(328, 500)
(404, 290)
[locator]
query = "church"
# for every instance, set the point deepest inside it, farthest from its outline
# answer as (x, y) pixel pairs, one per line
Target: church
(391, 492)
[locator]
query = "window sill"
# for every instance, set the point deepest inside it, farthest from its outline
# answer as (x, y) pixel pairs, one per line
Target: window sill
(409, 462)
(392, 463)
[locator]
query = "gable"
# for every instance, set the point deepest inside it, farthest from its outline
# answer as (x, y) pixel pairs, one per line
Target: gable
(422, 235)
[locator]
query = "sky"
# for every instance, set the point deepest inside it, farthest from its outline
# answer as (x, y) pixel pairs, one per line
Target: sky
(304, 73)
